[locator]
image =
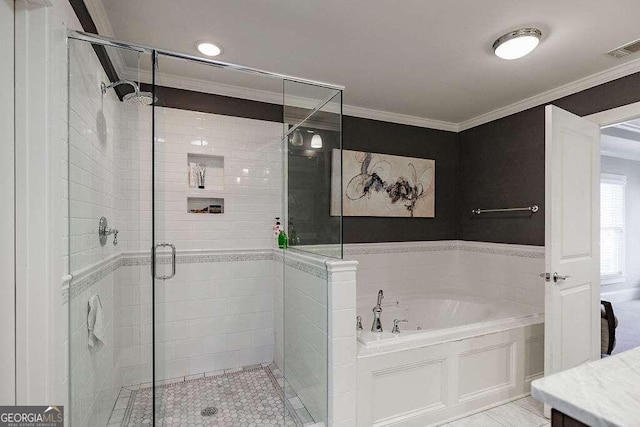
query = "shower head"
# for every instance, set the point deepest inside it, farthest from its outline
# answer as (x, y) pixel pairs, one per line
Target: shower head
(132, 98)
(139, 98)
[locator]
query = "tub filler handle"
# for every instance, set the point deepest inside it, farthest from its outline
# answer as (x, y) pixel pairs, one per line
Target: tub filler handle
(359, 323)
(396, 325)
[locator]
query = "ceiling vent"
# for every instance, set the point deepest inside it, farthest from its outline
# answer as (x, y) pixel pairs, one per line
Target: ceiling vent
(626, 50)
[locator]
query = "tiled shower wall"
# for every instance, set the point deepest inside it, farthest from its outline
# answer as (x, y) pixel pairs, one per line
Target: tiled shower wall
(215, 314)
(212, 315)
(305, 326)
(93, 192)
(252, 179)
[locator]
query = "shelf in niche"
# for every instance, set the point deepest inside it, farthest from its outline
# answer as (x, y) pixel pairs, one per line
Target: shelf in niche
(200, 193)
(205, 205)
(214, 174)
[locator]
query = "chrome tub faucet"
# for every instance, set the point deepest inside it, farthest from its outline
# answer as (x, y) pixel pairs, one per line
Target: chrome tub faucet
(377, 324)
(396, 325)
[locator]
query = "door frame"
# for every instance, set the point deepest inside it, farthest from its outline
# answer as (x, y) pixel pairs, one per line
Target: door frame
(615, 116)
(605, 119)
(7, 210)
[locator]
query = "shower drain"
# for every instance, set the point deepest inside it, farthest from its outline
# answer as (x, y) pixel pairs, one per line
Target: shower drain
(209, 411)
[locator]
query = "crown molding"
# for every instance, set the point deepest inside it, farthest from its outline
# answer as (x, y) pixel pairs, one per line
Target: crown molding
(103, 25)
(620, 155)
(99, 15)
(596, 79)
(199, 85)
(588, 82)
(386, 116)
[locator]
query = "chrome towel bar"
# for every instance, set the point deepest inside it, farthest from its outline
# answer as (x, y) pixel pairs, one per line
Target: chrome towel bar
(532, 209)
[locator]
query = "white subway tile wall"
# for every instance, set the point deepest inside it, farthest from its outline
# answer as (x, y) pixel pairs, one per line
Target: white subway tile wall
(342, 355)
(93, 192)
(253, 180)
(306, 331)
(212, 316)
(399, 268)
(510, 272)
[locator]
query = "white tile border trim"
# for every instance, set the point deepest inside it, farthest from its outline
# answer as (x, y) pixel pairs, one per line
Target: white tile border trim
(523, 251)
(313, 264)
(73, 285)
(399, 247)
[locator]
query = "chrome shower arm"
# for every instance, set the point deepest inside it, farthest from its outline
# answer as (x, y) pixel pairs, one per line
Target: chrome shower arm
(104, 87)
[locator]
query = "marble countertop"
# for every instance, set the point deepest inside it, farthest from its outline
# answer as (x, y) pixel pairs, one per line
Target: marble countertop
(605, 392)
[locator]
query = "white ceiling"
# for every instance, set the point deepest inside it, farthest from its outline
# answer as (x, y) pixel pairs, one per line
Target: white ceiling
(622, 140)
(428, 59)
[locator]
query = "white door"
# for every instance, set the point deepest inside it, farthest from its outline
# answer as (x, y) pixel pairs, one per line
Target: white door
(572, 240)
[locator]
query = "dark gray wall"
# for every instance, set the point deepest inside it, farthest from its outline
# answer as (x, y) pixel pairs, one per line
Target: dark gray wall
(390, 138)
(502, 164)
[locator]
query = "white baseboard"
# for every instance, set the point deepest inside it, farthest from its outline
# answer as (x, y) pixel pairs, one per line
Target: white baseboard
(621, 295)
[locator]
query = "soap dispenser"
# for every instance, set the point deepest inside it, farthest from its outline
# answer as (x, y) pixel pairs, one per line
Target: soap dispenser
(283, 241)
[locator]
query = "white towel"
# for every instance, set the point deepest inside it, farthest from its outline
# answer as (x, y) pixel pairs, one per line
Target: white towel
(95, 322)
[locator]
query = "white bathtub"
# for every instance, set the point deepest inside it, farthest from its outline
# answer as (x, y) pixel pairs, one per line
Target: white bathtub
(439, 316)
(458, 353)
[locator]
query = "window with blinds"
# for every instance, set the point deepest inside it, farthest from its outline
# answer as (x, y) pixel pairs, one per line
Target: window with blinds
(612, 226)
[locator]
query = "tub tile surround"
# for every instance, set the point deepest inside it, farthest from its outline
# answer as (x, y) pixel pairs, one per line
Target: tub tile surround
(430, 381)
(342, 363)
(509, 272)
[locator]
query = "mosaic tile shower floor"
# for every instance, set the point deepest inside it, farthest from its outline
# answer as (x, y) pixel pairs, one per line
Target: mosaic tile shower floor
(248, 397)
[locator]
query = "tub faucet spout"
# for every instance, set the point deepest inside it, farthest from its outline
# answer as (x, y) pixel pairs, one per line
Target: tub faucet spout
(377, 324)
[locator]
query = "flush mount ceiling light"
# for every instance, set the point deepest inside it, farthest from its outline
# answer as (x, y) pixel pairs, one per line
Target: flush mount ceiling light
(209, 49)
(517, 44)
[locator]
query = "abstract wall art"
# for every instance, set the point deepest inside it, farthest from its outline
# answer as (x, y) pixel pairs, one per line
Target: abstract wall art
(387, 186)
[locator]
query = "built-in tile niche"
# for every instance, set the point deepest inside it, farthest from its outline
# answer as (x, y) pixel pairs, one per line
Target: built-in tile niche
(214, 172)
(205, 200)
(205, 205)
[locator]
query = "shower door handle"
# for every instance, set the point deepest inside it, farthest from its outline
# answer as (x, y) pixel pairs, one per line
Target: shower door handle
(173, 261)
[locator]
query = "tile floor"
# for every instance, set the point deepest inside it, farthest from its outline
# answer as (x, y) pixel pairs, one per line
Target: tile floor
(251, 396)
(525, 412)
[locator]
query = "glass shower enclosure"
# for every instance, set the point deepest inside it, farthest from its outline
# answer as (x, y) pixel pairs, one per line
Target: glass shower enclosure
(182, 172)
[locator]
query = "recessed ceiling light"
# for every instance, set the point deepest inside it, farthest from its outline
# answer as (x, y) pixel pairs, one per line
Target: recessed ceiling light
(208, 49)
(517, 44)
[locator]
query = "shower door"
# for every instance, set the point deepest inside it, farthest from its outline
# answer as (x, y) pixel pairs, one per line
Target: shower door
(217, 189)
(109, 233)
(205, 320)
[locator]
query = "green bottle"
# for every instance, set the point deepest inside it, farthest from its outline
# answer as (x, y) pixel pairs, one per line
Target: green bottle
(283, 241)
